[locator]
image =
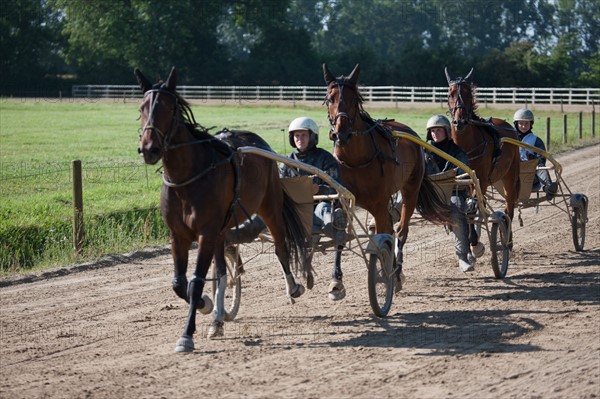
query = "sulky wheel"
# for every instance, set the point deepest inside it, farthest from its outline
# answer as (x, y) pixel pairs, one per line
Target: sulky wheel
(500, 244)
(381, 280)
(578, 224)
(233, 293)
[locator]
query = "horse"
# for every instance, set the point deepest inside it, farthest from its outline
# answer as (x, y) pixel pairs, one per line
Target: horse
(374, 165)
(209, 187)
(480, 140)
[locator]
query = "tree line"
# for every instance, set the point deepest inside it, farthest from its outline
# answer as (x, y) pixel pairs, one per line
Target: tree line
(48, 44)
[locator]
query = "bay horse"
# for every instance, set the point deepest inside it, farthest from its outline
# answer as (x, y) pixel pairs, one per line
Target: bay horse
(480, 140)
(208, 187)
(374, 165)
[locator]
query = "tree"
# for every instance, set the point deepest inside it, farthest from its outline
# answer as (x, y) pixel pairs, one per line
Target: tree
(30, 45)
(107, 39)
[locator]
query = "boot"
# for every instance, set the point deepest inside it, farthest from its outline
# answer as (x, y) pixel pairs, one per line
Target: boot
(464, 264)
(550, 190)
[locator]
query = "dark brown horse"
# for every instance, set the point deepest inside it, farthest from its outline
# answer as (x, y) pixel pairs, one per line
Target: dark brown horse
(480, 140)
(208, 187)
(374, 165)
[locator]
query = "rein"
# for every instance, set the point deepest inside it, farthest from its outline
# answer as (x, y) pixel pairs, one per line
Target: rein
(212, 167)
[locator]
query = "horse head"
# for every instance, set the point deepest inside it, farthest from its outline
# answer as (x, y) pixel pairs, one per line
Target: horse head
(343, 105)
(158, 116)
(460, 99)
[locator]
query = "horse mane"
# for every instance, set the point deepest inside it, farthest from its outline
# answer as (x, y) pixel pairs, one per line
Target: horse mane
(474, 103)
(185, 111)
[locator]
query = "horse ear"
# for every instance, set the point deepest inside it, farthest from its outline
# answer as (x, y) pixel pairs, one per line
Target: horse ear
(144, 83)
(469, 78)
(327, 75)
(448, 78)
(172, 80)
(354, 74)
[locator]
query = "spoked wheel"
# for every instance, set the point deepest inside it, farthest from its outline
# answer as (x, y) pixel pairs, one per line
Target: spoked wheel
(500, 242)
(381, 281)
(233, 291)
(578, 224)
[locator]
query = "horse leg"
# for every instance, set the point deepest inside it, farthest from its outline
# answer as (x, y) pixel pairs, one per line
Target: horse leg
(195, 288)
(217, 327)
(337, 290)
(277, 229)
(180, 249)
(409, 203)
(477, 247)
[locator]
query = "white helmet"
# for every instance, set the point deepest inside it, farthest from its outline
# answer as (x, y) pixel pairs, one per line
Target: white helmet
(523, 114)
(304, 123)
(437, 121)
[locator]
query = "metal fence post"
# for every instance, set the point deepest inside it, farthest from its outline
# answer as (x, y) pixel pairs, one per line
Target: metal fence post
(78, 233)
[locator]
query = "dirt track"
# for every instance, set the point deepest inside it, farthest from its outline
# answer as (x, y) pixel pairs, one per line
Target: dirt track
(109, 329)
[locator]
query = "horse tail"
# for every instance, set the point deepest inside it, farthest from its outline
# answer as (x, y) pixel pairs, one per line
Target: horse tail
(297, 238)
(431, 205)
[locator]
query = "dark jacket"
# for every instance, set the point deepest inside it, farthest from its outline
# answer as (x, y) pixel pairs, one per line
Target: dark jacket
(318, 158)
(437, 164)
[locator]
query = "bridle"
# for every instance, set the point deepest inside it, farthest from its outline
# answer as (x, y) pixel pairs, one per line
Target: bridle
(459, 103)
(164, 138)
(333, 134)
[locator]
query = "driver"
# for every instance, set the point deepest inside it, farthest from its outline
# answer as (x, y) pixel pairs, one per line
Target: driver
(523, 121)
(303, 135)
(438, 131)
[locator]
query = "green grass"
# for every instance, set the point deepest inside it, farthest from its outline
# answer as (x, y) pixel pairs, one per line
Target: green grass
(40, 138)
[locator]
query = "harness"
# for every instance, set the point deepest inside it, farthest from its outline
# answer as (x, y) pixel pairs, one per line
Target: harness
(164, 140)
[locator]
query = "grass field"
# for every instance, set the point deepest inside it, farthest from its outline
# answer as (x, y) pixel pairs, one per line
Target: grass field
(40, 138)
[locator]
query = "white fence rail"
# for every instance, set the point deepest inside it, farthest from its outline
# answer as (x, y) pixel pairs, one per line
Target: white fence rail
(493, 95)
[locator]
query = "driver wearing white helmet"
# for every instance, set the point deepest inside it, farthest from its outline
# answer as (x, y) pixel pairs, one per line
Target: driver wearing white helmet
(304, 136)
(523, 121)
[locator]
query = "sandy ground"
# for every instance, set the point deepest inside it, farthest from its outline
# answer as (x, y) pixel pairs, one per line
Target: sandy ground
(109, 329)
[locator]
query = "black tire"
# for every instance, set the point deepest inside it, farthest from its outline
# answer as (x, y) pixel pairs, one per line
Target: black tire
(381, 281)
(500, 247)
(578, 226)
(233, 290)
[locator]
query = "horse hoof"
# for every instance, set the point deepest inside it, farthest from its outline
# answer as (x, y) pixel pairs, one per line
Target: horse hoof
(207, 306)
(399, 283)
(298, 291)
(185, 344)
(337, 291)
(478, 249)
(310, 281)
(216, 330)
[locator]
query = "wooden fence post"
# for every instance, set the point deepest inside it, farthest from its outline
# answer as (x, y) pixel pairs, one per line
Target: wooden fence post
(547, 133)
(593, 123)
(78, 233)
(580, 125)
(564, 128)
